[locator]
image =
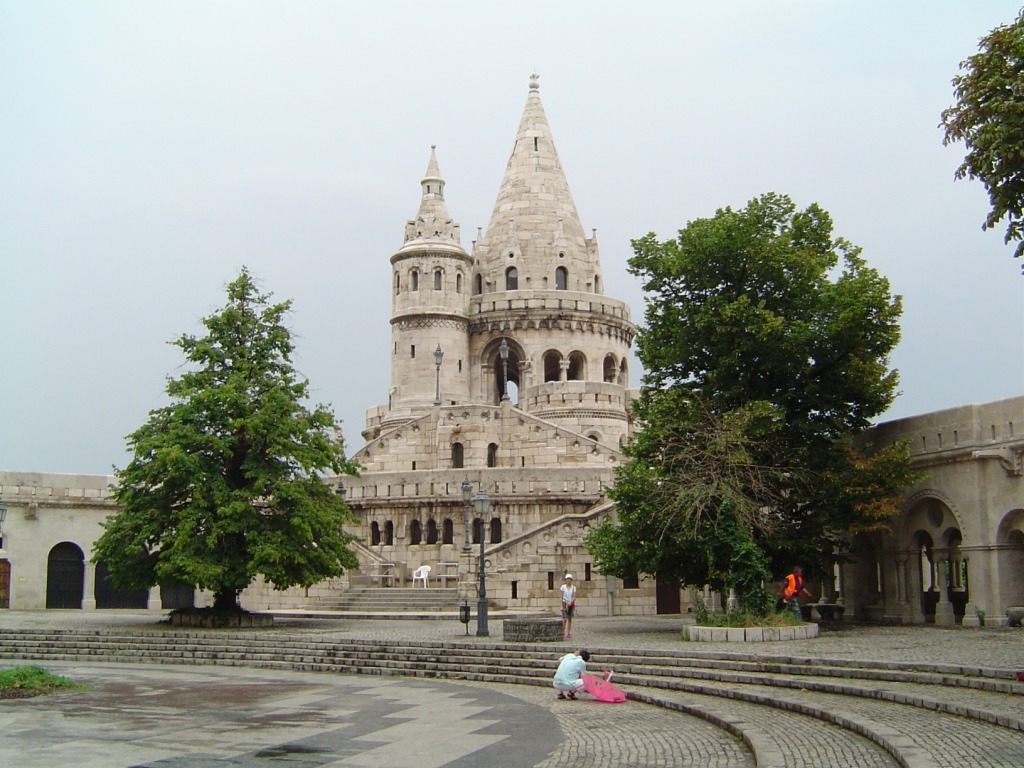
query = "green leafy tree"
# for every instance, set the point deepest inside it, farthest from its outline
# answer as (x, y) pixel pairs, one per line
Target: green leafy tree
(989, 118)
(225, 482)
(765, 344)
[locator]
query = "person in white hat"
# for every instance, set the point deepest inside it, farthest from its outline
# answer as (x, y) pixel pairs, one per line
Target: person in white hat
(568, 605)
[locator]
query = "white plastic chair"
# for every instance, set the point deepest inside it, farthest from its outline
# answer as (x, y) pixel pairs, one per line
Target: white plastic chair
(421, 574)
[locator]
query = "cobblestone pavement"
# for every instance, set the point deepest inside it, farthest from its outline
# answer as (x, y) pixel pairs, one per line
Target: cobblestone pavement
(306, 718)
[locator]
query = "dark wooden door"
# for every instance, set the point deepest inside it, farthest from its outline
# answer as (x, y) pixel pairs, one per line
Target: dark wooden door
(5, 583)
(667, 596)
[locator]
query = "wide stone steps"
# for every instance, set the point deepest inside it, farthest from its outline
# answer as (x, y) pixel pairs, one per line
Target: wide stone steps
(389, 600)
(876, 712)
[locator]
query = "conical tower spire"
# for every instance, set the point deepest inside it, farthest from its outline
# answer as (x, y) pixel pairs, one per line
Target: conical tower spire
(534, 198)
(433, 222)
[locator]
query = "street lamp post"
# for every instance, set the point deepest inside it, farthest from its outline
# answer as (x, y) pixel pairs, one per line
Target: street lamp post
(482, 503)
(438, 354)
(503, 349)
(467, 501)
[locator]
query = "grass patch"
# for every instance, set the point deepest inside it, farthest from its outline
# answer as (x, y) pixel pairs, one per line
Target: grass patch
(23, 682)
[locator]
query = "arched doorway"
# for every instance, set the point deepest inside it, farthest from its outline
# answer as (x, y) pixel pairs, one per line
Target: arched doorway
(178, 595)
(109, 596)
(65, 576)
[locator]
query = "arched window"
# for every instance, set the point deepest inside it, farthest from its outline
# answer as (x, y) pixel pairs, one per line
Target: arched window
(431, 531)
(511, 279)
(437, 279)
(495, 531)
(492, 455)
(457, 455)
(610, 372)
(478, 284)
(597, 283)
(561, 278)
(415, 277)
(458, 283)
(389, 534)
(415, 532)
(447, 531)
(577, 367)
(478, 529)
(398, 283)
(374, 533)
(552, 366)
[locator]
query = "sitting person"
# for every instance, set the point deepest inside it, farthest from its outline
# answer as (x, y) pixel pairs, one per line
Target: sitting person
(568, 680)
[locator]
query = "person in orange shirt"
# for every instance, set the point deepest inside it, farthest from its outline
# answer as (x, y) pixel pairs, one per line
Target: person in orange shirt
(792, 588)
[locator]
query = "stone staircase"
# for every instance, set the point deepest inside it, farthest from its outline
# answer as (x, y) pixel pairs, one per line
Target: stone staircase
(788, 711)
(394, 601)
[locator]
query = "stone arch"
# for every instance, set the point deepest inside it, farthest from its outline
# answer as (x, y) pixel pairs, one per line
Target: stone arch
(930, 532)
(1010, 541)
(500, 368)
(65, 576)
(447, 531)
(374, 533)
(431, 531)
(552, 365)
(610, 372)
(511, 279)
(415, 532)
(577, 366)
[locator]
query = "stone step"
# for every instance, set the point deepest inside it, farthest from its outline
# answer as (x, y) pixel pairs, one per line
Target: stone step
(657, 677)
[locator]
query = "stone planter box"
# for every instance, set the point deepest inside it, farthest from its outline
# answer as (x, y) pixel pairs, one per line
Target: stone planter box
(749, 634)
(532, 630)
(218, 621)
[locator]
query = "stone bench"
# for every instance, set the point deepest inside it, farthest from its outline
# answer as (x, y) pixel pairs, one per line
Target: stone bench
(532, 630)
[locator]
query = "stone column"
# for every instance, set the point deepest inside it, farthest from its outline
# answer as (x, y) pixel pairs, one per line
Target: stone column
(89, 596)
(154, 601)
(944, 610)
(915, 586)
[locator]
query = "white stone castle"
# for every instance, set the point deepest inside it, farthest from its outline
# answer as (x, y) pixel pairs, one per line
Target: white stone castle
(510, 380)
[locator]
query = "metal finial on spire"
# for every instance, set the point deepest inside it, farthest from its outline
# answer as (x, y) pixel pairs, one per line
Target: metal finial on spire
(534, 85)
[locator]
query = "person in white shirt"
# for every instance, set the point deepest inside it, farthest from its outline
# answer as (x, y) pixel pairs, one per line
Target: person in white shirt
(568, 606)
(568, 680)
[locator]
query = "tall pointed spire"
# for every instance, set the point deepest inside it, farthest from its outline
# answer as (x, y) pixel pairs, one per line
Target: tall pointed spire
(534, 202)
(433, 222)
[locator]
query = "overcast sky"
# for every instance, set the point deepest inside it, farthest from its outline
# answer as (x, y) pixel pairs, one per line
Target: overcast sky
(148, 150)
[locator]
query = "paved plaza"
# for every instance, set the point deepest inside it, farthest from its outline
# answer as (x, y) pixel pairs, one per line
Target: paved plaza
(201, 717)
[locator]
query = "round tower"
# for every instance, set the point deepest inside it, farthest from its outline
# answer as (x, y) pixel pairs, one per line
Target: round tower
(537, 287)
(430, 285)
